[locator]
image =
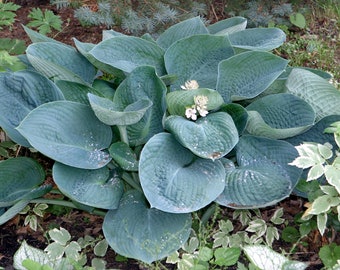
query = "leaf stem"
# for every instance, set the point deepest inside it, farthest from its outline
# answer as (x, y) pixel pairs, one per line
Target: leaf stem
(123, 134)
(132, 180)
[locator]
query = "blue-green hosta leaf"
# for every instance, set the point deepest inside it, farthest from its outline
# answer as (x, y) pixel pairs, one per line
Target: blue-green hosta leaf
(85, 48)
(179, 101)
(320, 94)
(238, 113)
(113, 114)
(68, 132)
(143, 83)
(228, 26)
(279, 116)
(136, 231)
(98, 188)
(110, 34)
(263, 176)
(262, 39)
(18, 178)
(248, 74)
(105, 88)
(187, 28)
(21, 92)
(74, 91)
(212, 136)
(60, 62)
(197, 58)
(127, 52)
(316, 133)
(267, 259)
(12, 211)
(124, 156)
(175, 180)
(36, 37)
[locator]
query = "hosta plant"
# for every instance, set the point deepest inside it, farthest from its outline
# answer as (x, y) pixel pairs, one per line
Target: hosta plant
(153, 130)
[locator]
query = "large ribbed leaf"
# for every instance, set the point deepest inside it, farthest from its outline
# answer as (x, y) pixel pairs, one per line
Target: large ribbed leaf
(19, 179)
(197, 58)
(142, 84)
(212, 136)
(263, 176)
(263, 39)
(37, 37)
(68, 132)
(127, 52)
(99, 188)
(74, 91)
(60, 62)
(228, 26)
(85, 48)
(279, 116)
(179, 101)
(175, 180)
(136, 231)
(187, 28)
(320, 94)
(238, 113)
(316, 133)
(114, 114)
(21, 92)
(124, 156)
(248, 74)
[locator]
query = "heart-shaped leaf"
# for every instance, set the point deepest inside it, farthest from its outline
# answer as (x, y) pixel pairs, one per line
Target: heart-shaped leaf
(238, 113)
(18, 178)
(179, 101)
(143, 84)
(68, 132)
(248, 74)
(127, 52)
(316, 133)
(21, 92)
(113, 114)
(136, 231)
(319, 93)
(74, 91)
(197, 58)
(264, 39)
(45, 58)
(175, 180)
(212, 136)
(85, 48)
(263, 176)
(104, 87)
(124, 156)
(100, 188)
(36, 37)
(228, 26)
(279, 116)
(187, 28)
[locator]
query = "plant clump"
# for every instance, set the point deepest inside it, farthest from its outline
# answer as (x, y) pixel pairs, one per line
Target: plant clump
(116, 120)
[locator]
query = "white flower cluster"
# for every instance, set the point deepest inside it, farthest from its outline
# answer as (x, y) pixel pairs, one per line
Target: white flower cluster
(190, 85)
(199, 107)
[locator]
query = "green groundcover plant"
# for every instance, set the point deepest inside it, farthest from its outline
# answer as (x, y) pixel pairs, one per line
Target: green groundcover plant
(153, 130)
